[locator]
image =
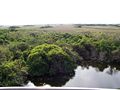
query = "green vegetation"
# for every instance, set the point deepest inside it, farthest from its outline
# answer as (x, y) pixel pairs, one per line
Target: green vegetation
(43, 51)
(12, 73)
(49, 59)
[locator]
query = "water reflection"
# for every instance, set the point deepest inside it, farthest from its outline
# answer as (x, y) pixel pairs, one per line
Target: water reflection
(87, 74)
(100, 67)
(95, 76)
(52, 81)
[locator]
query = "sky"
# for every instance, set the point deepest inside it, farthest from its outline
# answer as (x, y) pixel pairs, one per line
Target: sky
(23, 12)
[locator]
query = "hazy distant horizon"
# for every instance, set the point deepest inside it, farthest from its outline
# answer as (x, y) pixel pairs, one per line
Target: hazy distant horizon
(60, 24)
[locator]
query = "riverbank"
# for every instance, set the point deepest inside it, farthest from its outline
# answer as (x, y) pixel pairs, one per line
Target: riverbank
(51, 50)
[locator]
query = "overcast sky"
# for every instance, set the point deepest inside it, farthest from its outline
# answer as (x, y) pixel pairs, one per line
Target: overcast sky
(18, 12)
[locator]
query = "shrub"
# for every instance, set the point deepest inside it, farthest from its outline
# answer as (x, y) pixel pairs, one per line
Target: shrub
(73, 55)
(22, 46)
(5, 54)
(13, 28)
(17, 55)
(19, 50)
(12, 73)
(3, 37)
(105, 45)
(49, 59)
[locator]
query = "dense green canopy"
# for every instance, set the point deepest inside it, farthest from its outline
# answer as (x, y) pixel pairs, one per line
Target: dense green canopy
(49, 59)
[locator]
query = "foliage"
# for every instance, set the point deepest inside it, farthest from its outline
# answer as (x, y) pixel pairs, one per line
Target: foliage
(12, 73)
(49, 59)
(5, 54)
(13, 28)
(48, 52)
(3, 37)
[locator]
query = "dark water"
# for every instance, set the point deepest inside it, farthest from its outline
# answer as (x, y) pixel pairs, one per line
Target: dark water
(86, 75)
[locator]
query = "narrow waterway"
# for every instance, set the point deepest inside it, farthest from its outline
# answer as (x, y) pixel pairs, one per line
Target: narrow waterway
(101, 76)
(92, 77)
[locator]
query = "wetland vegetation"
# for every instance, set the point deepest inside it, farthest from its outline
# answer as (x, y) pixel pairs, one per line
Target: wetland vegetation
(50, 51)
